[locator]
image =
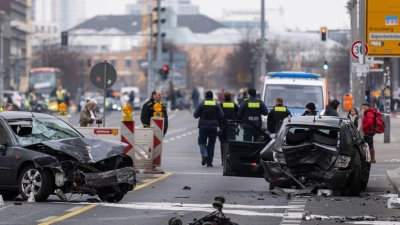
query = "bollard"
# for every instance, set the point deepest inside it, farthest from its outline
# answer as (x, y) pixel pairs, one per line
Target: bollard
(386, 135)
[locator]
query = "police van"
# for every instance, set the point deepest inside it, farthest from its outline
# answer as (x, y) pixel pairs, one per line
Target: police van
(297, 89)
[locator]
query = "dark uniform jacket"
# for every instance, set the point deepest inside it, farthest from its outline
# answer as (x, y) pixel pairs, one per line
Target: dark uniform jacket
(230, 110)
(278, 113)
(209, 112)
(148, 111)
(251, 110)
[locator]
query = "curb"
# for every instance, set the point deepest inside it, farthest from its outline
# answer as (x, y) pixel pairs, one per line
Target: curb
(394, 178)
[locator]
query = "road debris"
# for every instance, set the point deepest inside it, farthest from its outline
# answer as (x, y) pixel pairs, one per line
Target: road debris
(306, 215)
(187, 188)
(393, 203)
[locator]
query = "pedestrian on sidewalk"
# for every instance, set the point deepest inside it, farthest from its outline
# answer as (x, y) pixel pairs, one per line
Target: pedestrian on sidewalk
(210, 113)
(368, 128)
(355, 118)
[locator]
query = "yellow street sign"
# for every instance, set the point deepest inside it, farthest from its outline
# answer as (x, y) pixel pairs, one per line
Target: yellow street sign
(383, 28)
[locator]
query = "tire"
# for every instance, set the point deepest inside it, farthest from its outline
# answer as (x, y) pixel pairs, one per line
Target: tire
(217, 205)
(220, 199)
(112, 199)
(355, 183)
(43, 180)
(175, 221)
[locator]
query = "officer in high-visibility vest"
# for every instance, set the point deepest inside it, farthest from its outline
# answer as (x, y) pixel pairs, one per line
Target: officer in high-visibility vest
(32, 98)
(210, 113)
(148, 110)
(230, 110)
(251, 110)
(60, 94)
(276, 115)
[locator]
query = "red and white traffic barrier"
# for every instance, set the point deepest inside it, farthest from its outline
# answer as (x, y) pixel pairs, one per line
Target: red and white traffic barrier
(128, 137)
(157, 124)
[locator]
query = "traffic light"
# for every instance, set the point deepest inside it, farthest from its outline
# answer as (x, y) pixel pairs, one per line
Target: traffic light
(323, 33)
(64, 38)
(325, 65)
(159, 17)
(164, 71)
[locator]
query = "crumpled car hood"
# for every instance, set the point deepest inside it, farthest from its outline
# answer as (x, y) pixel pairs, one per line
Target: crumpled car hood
(86, 150)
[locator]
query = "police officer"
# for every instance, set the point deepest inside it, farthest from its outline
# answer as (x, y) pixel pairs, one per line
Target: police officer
(60, 94)
(230, 110)
(148, 110)
(251, 110)
(210, 113)
(276, 115)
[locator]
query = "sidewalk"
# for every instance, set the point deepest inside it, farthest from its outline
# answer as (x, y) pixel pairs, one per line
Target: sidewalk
(393, 146)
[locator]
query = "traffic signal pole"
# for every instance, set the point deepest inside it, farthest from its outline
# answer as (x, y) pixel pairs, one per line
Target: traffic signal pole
(262, 43)
(353, 77)
(361, 34)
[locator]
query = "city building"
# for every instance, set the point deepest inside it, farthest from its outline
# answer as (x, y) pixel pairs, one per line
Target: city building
(181, 7)
(70, 13)
(16, 54)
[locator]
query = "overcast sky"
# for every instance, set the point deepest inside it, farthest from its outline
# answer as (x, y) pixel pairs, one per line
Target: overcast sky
(301, 14)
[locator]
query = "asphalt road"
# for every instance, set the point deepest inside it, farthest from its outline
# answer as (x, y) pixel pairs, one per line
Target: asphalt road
(248, 201)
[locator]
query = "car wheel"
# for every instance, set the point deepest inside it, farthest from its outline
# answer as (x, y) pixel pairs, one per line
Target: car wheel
(175, 221)
(271, 186)
(112, 199)
(41, 179)
(9, 195)
(355, 183)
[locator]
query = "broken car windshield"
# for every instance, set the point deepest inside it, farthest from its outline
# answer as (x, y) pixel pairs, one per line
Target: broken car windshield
(39, 130)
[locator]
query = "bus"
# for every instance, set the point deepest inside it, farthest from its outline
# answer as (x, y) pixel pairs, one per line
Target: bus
(297, 89)
(44, 80)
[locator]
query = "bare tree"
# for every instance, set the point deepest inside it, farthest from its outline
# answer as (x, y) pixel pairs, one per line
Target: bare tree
(51, 55)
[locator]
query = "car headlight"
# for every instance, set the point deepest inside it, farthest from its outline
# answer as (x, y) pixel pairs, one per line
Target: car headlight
(342, 161)
(114, 106)
(279, 157)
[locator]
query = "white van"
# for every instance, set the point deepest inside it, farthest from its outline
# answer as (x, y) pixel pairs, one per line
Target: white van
(124, 99)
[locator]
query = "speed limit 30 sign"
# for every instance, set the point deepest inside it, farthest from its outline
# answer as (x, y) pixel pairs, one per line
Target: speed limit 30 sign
(356, 49)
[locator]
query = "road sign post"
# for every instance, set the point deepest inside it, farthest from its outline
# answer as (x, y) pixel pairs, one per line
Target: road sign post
(103, 75)
(356, 49)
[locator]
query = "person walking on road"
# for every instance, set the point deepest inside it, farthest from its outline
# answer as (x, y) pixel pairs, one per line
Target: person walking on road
(310, 110)
(355, 118)
(230, 110)
(251, 110)
(368, 125)
(131, 99)
(148, 110)
(210, 113)
(195, 97)
(276, 115)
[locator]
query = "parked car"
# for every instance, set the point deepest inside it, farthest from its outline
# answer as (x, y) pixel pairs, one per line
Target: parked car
(307, 152)
(41, 154)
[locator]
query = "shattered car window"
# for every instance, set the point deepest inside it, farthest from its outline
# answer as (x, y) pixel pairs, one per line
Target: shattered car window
(299, 135)
(39, 130)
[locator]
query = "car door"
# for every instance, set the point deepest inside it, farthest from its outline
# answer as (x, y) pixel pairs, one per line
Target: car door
(5, 156)
(244, 144)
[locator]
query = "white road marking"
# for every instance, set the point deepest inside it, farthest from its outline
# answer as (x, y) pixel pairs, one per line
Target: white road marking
(294, 215)
(393, 160)
(190, 133)
(146, 180)
(198, 173)
(184, 135)
(389, 195)
(46, 219)
(376, 222)
(74, 208)
(172, 139)
(228, 208)
(177, 137)
(165, 141)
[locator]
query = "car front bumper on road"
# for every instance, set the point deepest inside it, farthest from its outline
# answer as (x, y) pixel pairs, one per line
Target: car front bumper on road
(109, 178)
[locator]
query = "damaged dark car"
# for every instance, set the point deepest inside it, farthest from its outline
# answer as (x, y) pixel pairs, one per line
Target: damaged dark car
(306, 153)
(42, 155)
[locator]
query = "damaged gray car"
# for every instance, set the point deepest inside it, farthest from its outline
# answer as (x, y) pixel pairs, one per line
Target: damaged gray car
(43, 155)
(306, 153)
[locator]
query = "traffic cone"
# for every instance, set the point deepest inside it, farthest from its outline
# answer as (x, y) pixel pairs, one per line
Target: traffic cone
(1, 200)
(32, 195)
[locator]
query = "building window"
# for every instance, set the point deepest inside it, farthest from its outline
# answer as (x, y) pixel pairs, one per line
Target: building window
(128, 63)
(55, 29)
(113, 62)
(42, 29)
